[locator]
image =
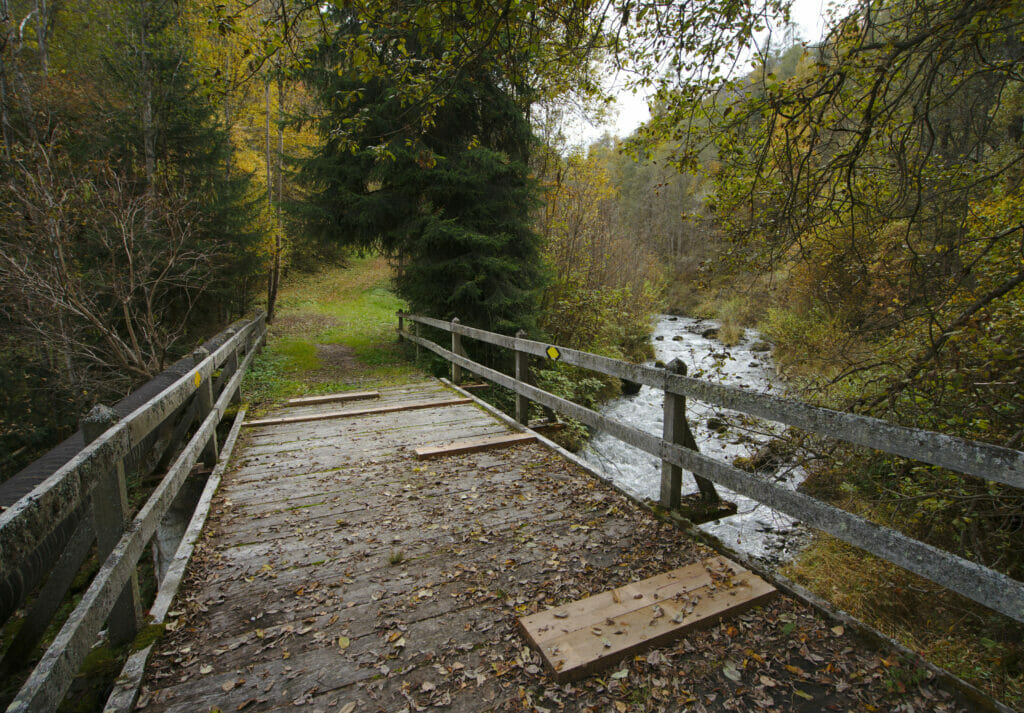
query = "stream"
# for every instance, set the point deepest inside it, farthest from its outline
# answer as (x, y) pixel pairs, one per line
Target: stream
(755, 529)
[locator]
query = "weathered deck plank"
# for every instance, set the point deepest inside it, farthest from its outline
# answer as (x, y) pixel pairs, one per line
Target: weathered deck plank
(352, 413)
(456, 447)
(333, 398)
(339, 570)
(587, 635)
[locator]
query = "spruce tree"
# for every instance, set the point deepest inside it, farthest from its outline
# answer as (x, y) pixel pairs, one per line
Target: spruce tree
(451, 205)
(162, 134)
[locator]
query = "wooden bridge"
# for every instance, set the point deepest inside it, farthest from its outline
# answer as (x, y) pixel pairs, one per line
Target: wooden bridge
(347, 557)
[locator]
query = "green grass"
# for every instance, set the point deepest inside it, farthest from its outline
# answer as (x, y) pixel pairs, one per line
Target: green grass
(334, 330)
(297, 355)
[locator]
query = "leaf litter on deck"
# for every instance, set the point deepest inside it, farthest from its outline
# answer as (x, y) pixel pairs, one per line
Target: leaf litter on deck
(438, 630)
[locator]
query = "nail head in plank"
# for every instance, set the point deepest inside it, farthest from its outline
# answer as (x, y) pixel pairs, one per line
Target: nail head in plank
(480, 444)
(584, 636)
(331, 398)
(361, 412)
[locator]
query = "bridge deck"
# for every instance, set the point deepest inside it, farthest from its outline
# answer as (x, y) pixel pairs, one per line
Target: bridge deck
(339, 574)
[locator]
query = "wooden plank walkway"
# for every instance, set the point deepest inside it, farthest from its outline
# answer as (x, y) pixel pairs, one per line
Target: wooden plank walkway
(339, 574)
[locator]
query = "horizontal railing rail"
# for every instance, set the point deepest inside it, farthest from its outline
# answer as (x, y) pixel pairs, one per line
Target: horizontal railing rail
(984, 460)
(90, 492)
(986, 586)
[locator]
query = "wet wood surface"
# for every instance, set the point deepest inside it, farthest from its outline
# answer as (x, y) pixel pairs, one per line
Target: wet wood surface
(339, 574)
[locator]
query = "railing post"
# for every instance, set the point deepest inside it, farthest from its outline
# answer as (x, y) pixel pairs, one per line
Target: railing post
(401, 324)
(110, 514)
(231, 366)
(522, 377)
(254, 334)
(676, 430)
(204, 392)
(457, 349)
(416, 330)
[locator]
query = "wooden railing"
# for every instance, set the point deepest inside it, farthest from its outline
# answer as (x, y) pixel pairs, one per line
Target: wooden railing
(46, 536)
(981, 584)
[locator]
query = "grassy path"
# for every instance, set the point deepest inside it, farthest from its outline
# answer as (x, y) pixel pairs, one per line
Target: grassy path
(334, 331)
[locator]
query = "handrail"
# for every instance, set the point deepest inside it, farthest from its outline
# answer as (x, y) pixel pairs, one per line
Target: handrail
(55, 498)
(984, 460)
(986, 586)
(82, 480)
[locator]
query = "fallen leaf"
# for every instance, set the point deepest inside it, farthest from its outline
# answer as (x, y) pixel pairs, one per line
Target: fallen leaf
(621, 707)
(620, 674)
(838, 630)
(803, 694)
(427, 687)
(343, 642)
(561, 614)
(731, 672)
(227, 686)
(205, 669)
(348, 707)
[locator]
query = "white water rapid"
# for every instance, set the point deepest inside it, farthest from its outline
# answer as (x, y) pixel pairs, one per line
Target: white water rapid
(755, 529)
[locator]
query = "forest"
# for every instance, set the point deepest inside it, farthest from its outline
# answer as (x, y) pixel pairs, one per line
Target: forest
(167, 165)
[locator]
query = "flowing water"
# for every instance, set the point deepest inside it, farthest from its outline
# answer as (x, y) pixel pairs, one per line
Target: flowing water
(755, 529)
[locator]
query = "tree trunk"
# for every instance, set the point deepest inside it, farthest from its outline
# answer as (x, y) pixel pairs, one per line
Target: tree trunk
(227, 115)
(272, 273)
(42, 32)
(279, 232)
(5, 119)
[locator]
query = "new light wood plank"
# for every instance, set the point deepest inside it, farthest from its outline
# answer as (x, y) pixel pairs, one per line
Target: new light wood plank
(586, 635)
(479, 444)
(331, 398)
(360, 412)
